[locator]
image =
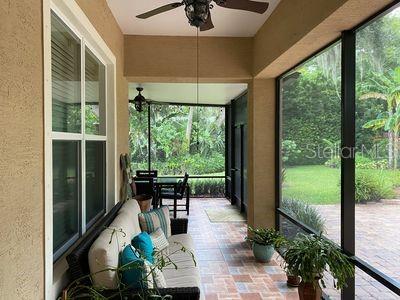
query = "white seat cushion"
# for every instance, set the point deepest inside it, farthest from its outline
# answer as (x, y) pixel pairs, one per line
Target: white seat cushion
(184, 239)
(187, 274)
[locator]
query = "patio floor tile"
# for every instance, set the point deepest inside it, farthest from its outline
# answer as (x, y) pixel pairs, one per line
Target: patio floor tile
(227, 265)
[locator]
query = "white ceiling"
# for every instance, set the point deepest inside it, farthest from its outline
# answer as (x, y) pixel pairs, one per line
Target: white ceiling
(209, 93)
(227, 22)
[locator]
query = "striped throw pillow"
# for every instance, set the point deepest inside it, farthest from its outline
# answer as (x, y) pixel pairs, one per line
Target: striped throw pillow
(151, 220)
(159, 240)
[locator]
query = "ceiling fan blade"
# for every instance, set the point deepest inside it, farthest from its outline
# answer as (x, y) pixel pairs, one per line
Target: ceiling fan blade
(247, 5)
(159, 10)
(208, 24)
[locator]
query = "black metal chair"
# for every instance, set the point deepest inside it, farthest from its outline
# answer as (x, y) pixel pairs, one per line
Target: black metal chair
(145, 185)
(143, 193)
(177, 192)
(147, 173)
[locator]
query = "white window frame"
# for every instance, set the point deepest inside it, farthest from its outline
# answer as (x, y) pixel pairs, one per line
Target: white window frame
(72, 15)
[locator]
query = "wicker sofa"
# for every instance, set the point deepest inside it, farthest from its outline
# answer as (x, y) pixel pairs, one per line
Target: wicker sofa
(182, 283)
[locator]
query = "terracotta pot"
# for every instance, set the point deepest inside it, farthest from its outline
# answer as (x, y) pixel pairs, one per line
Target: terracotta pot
(310, 291)
(144, 202)
(293, 280)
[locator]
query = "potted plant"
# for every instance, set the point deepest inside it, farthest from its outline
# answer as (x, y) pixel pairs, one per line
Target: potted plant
(293, 280)
(264, 242)
(309, 256)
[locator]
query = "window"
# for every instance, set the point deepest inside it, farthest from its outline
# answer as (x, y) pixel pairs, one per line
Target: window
(66, 78)
(66, 192)
(377, 211)
(310, 137)
(79, 136)
(188, 138)
(174, 133)
(310, 116)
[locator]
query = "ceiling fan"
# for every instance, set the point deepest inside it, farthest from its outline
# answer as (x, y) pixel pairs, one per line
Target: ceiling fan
(198, 11)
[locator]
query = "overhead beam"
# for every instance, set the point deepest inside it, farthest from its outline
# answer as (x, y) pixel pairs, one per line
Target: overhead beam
(173, 59)
(298, 28)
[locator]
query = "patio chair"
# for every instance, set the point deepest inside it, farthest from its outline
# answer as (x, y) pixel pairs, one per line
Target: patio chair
(178, 193)
(145, 186)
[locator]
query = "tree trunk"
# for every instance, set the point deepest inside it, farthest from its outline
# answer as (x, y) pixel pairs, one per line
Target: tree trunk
(395, 149)
(221, 118)
(390, 149)
(189, 127)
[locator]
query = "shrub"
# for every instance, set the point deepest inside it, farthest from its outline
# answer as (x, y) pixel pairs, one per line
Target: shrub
(207, 187)
(194, 164)
(289, 151)
(362, 162)
(333, 162)
(370, 188)
(304, 213)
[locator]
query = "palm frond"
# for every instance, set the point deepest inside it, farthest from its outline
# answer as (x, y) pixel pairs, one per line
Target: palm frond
(373, 95)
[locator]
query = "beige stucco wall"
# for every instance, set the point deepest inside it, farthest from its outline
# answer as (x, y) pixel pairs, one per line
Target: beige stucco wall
(261, 154)
(167, 58)
(21, 138)
(21, 150)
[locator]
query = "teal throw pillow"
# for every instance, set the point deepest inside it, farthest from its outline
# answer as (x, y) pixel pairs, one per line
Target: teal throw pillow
(132, 268)
(143, 242)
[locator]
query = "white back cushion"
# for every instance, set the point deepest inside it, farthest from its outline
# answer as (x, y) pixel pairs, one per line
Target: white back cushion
(132, 209)
(103, 254)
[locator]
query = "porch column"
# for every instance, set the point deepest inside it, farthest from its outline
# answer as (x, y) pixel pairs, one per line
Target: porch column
(261, 154)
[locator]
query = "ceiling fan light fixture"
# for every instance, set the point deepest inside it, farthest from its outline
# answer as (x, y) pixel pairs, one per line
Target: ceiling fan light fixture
(197, 11)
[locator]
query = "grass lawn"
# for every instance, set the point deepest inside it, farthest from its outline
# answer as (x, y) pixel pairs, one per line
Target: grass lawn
(320, 184)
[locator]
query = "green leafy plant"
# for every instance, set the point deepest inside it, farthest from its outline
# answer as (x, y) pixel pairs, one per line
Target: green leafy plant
(310, 256)
(265, 237)
(201, 187)
(385, 87)
(289, 150)
(333, 162)
(362, 162)
(305, 213)
(370, 188)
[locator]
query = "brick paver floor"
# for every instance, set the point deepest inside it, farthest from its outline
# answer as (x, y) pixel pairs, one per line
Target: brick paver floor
(377, 242)
(229, 271)
(227, 266)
